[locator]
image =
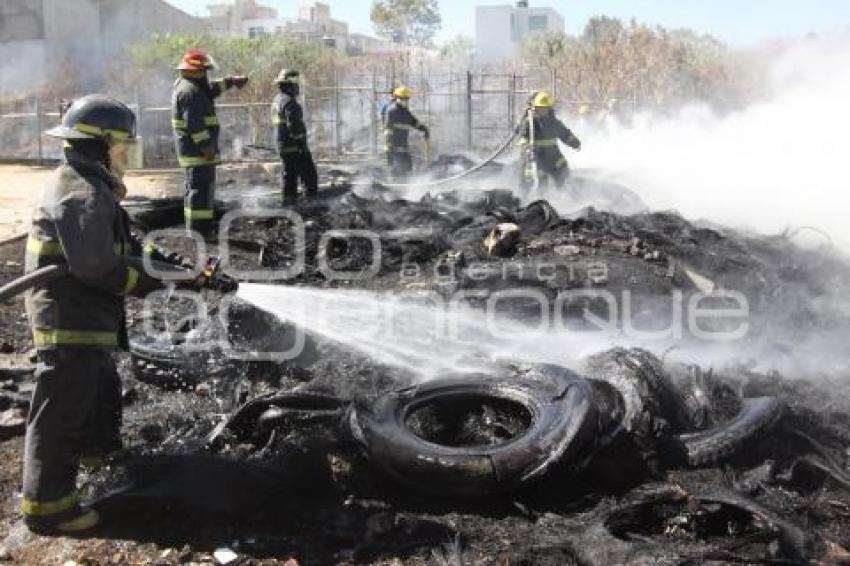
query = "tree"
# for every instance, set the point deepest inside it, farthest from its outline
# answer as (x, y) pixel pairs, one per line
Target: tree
(260, 58)
(601, 29)
(409, 22)
(652, 66)
(461, 50)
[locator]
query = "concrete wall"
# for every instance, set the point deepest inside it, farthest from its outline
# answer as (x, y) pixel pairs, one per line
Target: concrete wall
(501, 30)
(77, 41)
(21, 20)
(21, 66)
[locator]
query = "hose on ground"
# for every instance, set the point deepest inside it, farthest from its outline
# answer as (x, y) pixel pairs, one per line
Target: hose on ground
(459, 176)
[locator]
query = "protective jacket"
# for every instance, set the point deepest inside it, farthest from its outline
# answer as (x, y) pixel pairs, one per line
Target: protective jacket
(548, 129)
(398, 124)
(194, 120)
(79, 224)
(288, 118)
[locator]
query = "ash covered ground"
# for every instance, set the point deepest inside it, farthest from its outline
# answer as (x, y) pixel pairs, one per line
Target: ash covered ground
(676, 463)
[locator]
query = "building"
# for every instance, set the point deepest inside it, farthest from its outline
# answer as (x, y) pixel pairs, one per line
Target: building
(501, 30)
(362, 44)
(41, 40)
(314, 21)
(239, 17)
(312, 24)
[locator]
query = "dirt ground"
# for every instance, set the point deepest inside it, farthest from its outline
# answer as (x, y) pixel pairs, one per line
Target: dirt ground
(21, 185)
(765, 506)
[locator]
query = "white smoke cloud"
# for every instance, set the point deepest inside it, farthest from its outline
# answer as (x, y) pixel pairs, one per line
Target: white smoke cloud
(780, 163)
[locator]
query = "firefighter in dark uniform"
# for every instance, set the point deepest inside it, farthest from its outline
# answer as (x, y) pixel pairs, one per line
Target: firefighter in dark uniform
(288, 119)
(548, 129)
(78, 319)
(398, 124)
(196, 131)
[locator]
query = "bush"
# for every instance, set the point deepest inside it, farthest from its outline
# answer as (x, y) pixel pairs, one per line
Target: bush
(658, 68)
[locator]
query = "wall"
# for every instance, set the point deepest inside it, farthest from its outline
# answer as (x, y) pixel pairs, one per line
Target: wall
(501, 30)
(21, 66)
(21, 20)
(79, 41)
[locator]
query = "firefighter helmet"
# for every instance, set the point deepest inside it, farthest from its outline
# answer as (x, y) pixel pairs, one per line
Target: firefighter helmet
(288, 76)
(544, 100)
(96, 117)
(403, 92)
(196, 60)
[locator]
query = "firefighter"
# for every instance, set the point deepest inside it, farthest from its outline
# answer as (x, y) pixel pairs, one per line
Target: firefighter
(196, 131)
(548, 129)
(288, 118)
(78, 319)
(398, 124)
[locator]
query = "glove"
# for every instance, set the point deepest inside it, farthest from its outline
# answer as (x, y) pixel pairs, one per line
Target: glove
(208, 152)
(223, 283)
(425, 132)
(218, 282)
(577, 146)
(239, 82)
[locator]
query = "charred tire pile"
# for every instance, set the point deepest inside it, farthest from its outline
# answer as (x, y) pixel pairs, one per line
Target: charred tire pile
(562, 427)
(653, 409)
(708, 447)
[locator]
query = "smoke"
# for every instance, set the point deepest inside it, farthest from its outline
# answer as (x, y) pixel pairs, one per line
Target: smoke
(777, 164)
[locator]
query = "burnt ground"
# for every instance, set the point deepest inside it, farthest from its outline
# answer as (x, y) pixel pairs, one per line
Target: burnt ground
(301, 488)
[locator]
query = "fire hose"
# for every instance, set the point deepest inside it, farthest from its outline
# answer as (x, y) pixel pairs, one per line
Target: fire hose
(459, 176)
(438, 182)
(51, 272)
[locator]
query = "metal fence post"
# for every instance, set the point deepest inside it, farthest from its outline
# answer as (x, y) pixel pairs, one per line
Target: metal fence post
(373, 118)
(512, 102)
(140, 124)
(469, 111)
(38, 131)
(337, 114)
(554, 80)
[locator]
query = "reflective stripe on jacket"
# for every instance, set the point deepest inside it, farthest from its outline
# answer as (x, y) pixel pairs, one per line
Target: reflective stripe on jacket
(78, 223)
(397, 128)
(194, 121)
(288, 119)
(547, 131)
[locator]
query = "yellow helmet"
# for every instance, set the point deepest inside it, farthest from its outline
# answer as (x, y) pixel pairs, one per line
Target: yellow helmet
(584, 109)
(544, 100)
(403, 92)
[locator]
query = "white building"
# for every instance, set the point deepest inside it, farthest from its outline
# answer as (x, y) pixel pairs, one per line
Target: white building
(229, 18)
(500, 30)
(313, 24)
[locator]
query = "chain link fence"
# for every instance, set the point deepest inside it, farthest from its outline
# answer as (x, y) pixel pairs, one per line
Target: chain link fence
(466, 112)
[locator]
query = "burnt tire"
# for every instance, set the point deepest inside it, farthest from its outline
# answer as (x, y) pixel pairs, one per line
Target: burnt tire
(562, 426)
(652, 405)
(169, 366)
(757, 416)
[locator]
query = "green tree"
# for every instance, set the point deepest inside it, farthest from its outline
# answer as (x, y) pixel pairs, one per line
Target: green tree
(409, 22)
(261, 59)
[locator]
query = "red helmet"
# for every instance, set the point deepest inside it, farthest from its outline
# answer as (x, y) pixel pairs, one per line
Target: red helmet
(196, 60)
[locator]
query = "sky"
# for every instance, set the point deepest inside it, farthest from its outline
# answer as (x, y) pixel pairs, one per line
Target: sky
(738, 22)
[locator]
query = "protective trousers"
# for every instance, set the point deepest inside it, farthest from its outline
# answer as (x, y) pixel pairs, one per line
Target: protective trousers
(198, 207)
(299, 166)
(553, 163)
(401, 163)
(75, 412)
